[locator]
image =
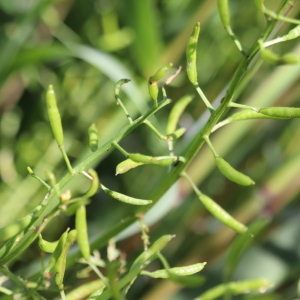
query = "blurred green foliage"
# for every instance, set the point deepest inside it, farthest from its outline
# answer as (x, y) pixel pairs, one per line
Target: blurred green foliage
(83, 48)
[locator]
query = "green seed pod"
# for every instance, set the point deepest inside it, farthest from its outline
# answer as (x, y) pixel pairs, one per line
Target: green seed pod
(124, 198)
(157, 246)
(191, 55)
(181, 271)
(81, 226)
(54, 116)
(15, 227)
(46, 246)
(217, 211)
(153, 90)
(232, 174)
(273, 58)
(292, 34)
(176, 134)
(57, 252)
(95, 184)
(160, 73)
(176, 112)
(126, 165)
(249, 114)
(259, 4)
(152, 160)
(224, 12)
(235, 288)
(281, 112)
(60, 265)
(93, 137)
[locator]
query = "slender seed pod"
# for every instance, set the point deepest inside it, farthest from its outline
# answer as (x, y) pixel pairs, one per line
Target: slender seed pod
(232, 174)
(217, 211)
(57, 252)
(95, 184)
(157, 246)
(124, 198)
(181, 271)
(224, 12)
(127, 165)
(54, 116)
(46, 246)
(281, 112)
(81, 226)
(273, 58)
(93, 137)
(176, 112)
(250, 114)
(60, 265)
(158, 160)
(191, 55)
(15, 227)
(235, 288)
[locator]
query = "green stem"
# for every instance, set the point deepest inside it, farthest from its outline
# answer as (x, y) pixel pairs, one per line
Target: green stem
(122, 150)
(211, 147)
(233, 104)
(203, 97)
(160, 136)
(63, 151)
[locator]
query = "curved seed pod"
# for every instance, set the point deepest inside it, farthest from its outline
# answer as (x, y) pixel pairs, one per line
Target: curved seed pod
(160, 73)
(127, 165)
(224, 12)
(81, 226)
(157, 246)
(191, 55)
(93, 137)
(95, 184)
(235, 288)
(54, 116)
(60, 265)
(158, 160)
(12, 229)
(176, 112)
(181, 271)
(46, 246)
(281, 112)
(232, 174)
(124, 198)
(217, 211)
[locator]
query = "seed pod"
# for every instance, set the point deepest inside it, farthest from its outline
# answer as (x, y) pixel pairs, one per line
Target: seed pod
(250, 114)
(46, 246)
(273, 58)
(176, 134)
(232, 174)
(281, 112)
(60, 265)
(259, 4)
(181, 271)
(157, 246)
(81, 226)
(292, 34)
(160, 73)
(95, 184)
(54, 116)
(126, 165)
(15, 227)
(217, 211)
(153, 90)
(152, 160)
(191, 55)
(235, 288)
(176, 112)
(124, 198)
(224, 12)
(93, 137)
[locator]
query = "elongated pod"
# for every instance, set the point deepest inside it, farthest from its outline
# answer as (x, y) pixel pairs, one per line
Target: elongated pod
(93, 137)
(281, 112)
(127, 165)
(158, 160)
(224, 12)
(232, 174)
(181, 271)
(54, 116)
(191, 55)
(81, 227)
(46, 246)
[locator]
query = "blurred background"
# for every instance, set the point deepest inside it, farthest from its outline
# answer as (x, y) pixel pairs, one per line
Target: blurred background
(83, 48)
